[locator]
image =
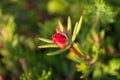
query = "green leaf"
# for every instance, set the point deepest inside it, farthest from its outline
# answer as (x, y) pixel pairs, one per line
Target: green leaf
(74, 32)
(102, 34)
(48, 46)
(75, 58)
(79, 25)
(77, 29)
(69, 24)
(45, 40)
(60, 25)
(82, 67)
(56, 52)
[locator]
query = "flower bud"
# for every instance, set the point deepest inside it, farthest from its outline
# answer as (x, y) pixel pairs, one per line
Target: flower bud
(60, 40)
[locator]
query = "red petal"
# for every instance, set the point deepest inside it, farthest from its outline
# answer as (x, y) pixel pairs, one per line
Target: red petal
(60, 40)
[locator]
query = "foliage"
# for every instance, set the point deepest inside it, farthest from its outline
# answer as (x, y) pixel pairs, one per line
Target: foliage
(22, 22)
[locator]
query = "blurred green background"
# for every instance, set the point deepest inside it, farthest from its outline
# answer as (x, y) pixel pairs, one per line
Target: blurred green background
(23, 21)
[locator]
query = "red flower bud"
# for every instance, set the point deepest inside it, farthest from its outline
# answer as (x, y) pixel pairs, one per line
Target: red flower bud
(60, 40)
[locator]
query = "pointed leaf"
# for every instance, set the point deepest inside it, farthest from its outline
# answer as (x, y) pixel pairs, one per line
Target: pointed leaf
(60, 25)
(79, 25)
(45, 40)
(75, 58)
(74, 32)
(77, 29)
(56, 52)
(79, 49)
(48, 46)
(69, 24)
(95, 58)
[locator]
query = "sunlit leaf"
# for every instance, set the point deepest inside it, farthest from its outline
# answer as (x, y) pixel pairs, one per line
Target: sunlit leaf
(82, 67)
(77, 29)
(79, 25)
(60, 25)
(45, 40)
(75, 58)
(69, 25)
(74, 32)
(48, 46)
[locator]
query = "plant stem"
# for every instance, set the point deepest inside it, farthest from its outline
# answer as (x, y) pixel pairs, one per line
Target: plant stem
(72, 49)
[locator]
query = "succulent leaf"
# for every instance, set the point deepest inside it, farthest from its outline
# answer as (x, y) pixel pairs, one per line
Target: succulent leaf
(56, 52)
(48, 46)
(77, 29)
(74, 32)
(69, 25)
(79, 25)
(60, 25)
(45, 40)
